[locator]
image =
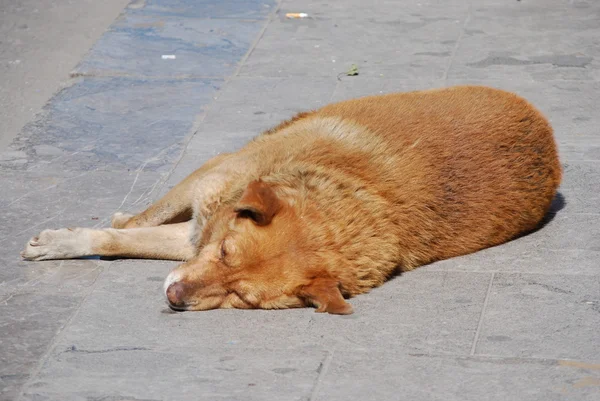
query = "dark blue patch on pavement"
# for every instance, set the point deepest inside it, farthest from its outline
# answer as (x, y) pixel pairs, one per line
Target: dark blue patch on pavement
(171, 47)
(114, 124)
(146, 80)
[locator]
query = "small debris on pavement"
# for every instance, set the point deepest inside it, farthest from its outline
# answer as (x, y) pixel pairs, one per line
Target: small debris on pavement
(296, 15)
(351, 72)
(168, 57)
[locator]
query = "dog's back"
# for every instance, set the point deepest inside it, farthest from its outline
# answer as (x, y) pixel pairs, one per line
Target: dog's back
(458, 169)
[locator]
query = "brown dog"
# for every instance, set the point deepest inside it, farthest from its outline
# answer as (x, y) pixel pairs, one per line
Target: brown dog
(331, 203)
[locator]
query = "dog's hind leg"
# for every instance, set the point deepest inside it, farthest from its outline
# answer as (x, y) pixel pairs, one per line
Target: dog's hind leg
(174, 207)
(170, 241)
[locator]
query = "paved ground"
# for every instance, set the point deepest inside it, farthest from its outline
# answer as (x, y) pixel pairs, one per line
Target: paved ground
(516, 322)
(41, 41)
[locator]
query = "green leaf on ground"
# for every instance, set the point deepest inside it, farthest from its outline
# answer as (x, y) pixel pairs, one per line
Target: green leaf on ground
(352, 71)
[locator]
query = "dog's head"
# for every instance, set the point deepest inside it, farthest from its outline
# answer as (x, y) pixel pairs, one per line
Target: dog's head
(255, 254)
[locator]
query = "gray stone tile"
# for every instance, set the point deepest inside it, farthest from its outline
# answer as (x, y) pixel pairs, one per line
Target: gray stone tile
(11, 383)
(28, 323)
(408, 42)
(405, 16)
(247, 106)
(579, 151)
(207, 142)
(246, 9)
(544, 316)
(544, 16)
(565, 231)
(513, 257)
(135, 45)
(65, 277)
(581, 187)
(112, 124)
(383, 375)
(176, 373)
(556, 48)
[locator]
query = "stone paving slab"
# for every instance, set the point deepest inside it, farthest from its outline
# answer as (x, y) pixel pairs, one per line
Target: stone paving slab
(177, 374)
(528, 41)
(581, 184)
(417, 14)
(26, 333)
(386, 375)
(419, 40)
(238, 107)
(112, 124)
(41, 302)
(202, 47)
(564, 231)
(515, 258)
(542, 316)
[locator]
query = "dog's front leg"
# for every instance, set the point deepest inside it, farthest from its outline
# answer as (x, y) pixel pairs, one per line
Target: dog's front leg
(171, 242)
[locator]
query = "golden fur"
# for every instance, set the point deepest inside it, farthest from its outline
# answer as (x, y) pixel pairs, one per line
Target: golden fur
(334, 201)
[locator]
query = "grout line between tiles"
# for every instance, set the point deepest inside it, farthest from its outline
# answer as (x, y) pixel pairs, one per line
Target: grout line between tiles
(324, 368)
(457, 45)
(481, 316)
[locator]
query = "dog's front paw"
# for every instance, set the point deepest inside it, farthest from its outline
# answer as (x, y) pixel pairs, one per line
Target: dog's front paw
(119, 220)
(65, 243)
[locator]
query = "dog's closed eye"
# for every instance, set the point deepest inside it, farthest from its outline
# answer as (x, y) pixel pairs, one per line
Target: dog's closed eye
(222, 251)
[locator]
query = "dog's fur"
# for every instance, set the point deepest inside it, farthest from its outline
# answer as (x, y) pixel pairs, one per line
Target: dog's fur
(332, 202)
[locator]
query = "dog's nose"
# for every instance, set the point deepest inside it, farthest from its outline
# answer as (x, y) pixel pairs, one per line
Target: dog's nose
(175, 293)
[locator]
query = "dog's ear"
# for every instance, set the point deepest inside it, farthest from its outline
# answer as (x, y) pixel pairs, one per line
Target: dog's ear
(325, 294)
(259, 203)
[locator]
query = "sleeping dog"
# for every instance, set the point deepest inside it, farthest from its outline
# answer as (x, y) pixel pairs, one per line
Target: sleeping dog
(333, 202)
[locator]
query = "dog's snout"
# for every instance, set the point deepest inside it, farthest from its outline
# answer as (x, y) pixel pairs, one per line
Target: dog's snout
(175, 294)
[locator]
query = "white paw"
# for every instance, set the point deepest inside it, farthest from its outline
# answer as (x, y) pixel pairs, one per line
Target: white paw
(65, 243)
(119, 219)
